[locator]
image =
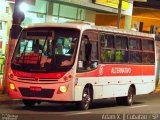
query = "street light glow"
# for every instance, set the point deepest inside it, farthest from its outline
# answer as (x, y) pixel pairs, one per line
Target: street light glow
(24, 7)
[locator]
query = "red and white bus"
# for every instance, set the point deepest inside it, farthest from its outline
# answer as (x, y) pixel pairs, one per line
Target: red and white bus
(81, 63)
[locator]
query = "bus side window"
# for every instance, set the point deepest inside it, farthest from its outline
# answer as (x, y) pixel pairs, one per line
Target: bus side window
(107, 51)
(121, 46)
(88, 54)
(135, 56)
(148, 56)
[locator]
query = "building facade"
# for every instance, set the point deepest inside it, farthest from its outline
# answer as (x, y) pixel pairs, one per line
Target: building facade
(60, 11)
(57, 11)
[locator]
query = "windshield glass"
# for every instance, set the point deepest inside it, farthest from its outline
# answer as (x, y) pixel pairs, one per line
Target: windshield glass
(45, 50)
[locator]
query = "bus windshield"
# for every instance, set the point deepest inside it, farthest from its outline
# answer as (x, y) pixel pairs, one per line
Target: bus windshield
(45, 50)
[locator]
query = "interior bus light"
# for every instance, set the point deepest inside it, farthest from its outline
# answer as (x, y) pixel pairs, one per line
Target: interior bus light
(12, 86)
(63, 89)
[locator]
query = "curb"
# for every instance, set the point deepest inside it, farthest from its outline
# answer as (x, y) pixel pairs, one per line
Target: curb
(10, 102)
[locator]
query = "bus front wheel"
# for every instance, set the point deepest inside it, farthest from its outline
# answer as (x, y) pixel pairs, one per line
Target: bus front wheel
(86, 99)
(29, 103)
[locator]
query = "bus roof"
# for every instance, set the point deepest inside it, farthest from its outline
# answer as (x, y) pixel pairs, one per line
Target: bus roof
(87, 26)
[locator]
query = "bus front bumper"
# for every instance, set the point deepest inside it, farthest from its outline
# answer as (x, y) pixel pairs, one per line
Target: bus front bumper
(42, 92)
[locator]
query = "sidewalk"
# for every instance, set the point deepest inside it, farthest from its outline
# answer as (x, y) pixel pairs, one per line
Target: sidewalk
(5, 99)
(157, 90)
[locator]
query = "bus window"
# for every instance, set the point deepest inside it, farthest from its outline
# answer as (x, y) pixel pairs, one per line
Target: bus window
(135, 57)
(45, 50)
(148, 56)
(121, 42)
(134, 44)
(148, 45)
(88, 54)
(59, 46)
(107, 51)
(107, 40)
(121, 46)
(135, 54)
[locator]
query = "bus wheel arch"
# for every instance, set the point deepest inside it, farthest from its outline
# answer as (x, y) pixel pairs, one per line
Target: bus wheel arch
(134, 88)
(87, 97)
(90, 87)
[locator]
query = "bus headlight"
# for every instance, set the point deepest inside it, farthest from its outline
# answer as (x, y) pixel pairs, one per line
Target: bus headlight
(12, 86)
(63, 89)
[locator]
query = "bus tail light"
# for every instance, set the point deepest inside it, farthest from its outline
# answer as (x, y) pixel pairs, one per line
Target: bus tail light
(12, 86)
(62, 89)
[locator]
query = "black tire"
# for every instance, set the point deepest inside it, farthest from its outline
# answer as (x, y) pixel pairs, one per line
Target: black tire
(86, 99)
(29, 103)
(128, 100)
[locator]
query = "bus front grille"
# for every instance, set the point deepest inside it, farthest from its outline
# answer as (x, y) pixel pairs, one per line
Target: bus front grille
(37, 79)
(44, 93)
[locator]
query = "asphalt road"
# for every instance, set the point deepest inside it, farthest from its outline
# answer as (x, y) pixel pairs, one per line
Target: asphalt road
(145, 107)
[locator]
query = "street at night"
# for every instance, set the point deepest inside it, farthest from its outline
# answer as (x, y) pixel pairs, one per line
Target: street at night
(145, 105)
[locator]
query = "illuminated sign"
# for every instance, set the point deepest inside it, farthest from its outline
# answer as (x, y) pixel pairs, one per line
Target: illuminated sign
(114, 3)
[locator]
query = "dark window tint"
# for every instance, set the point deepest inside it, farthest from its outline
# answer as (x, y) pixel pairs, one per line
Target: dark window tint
(121, 42)
(134, 44)
(107, 51)
(135, 57)
(148, 45)
(148, 58)
(107, 40)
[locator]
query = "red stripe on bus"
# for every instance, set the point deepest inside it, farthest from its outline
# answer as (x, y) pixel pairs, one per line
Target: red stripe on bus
(119, 70)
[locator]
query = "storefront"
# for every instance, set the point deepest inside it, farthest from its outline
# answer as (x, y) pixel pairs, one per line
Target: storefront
(60, 11)
(45, 11)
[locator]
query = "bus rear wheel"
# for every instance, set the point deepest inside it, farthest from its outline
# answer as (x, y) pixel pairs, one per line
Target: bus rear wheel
(86, 99)
(127, 100)
(29, 103)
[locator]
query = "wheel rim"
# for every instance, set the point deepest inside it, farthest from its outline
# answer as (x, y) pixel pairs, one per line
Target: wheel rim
(130, 97)
(86, 100)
